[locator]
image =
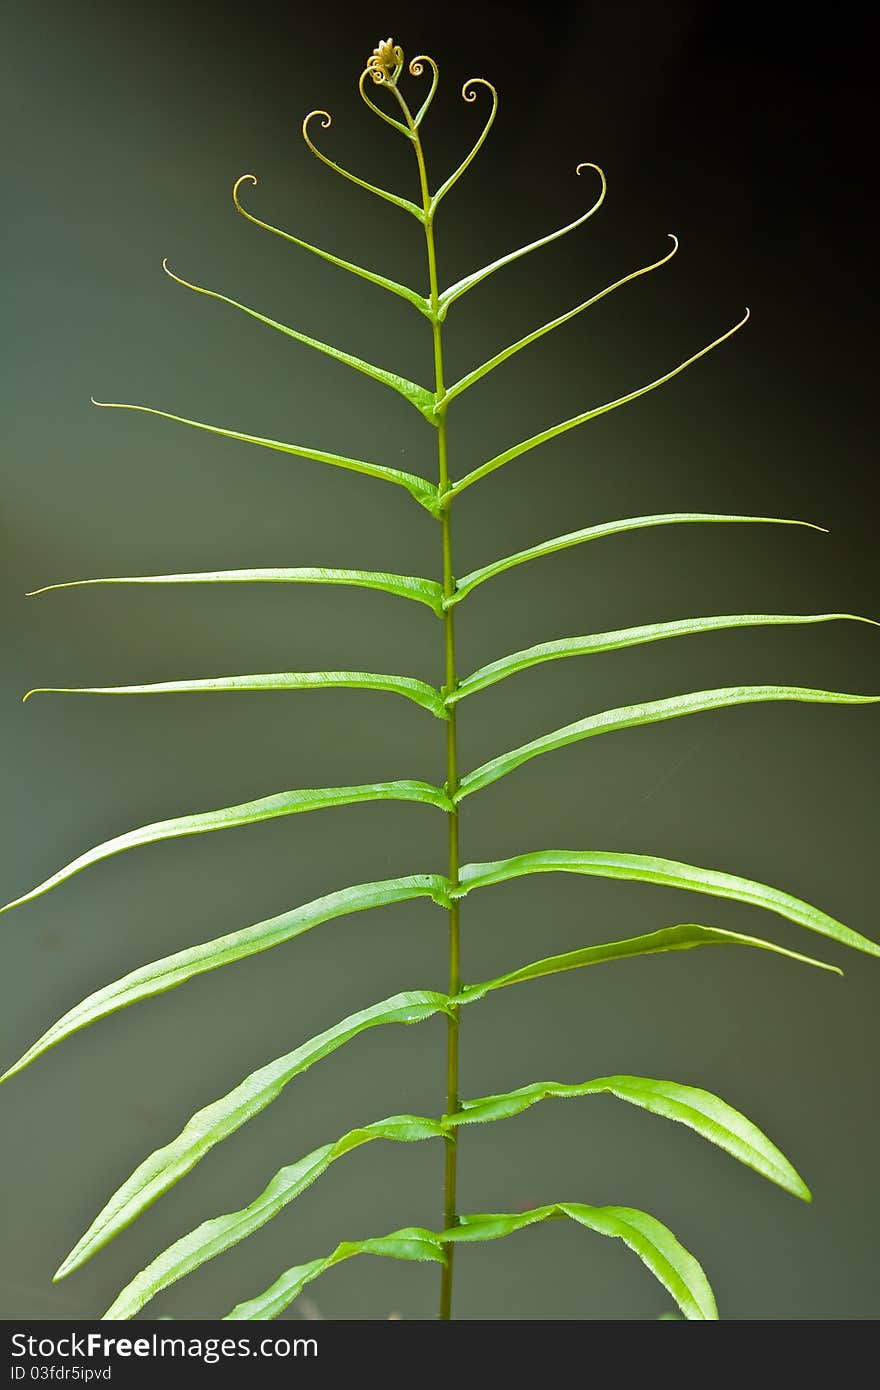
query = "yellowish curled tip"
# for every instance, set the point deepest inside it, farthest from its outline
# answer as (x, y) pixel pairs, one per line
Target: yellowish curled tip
(588, 164)
(603, 182)
(469, 89)
(326, 122)
(417, 64)
(385, 62)
(244, 178)
(179, 281)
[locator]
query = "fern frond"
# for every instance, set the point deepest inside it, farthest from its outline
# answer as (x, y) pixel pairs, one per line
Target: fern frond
(700, 1110)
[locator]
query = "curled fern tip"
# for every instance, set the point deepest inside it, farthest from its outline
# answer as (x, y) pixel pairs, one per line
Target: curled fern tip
(385, 63)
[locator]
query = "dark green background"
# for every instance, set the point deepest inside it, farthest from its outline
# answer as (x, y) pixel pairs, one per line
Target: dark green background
(124, 131)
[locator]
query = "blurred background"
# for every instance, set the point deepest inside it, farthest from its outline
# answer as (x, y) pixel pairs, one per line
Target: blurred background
(125, 128)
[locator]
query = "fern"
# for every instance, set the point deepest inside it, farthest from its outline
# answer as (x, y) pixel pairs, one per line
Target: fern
(706, 1114)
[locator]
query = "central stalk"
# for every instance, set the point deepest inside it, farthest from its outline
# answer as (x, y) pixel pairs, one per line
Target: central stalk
(450, 1215)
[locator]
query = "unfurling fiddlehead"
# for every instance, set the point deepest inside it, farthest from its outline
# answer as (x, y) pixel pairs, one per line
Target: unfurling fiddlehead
(706, 1114)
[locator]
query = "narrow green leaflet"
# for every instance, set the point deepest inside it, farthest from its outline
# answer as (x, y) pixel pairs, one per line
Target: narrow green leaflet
(629, 637)
(161, 975)
(423, 400)
(411, 1243)
(649, 712)
(555, 430)
(213, 1237)
(684, 937)
(426, 591)
(646, 868)
(508, 352)
(166, 1166)
(417, 68)
(248, 812)
(382, 280)
(424, 492)
(469, 93)
(411, 689)
(654, 1243)
(461, 287)
(326, 122)
(701, 1111)
(606, 528)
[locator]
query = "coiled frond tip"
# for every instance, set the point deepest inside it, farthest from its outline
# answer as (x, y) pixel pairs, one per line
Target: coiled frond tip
(242, 178)
(385, 63)
(326, 122)
(468, 88)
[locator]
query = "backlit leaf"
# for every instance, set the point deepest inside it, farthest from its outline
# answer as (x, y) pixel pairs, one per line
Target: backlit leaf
(247, 813)
(646, 868)
(648, 712)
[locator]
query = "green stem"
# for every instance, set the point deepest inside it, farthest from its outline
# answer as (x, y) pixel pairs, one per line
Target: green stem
(450, 1215)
